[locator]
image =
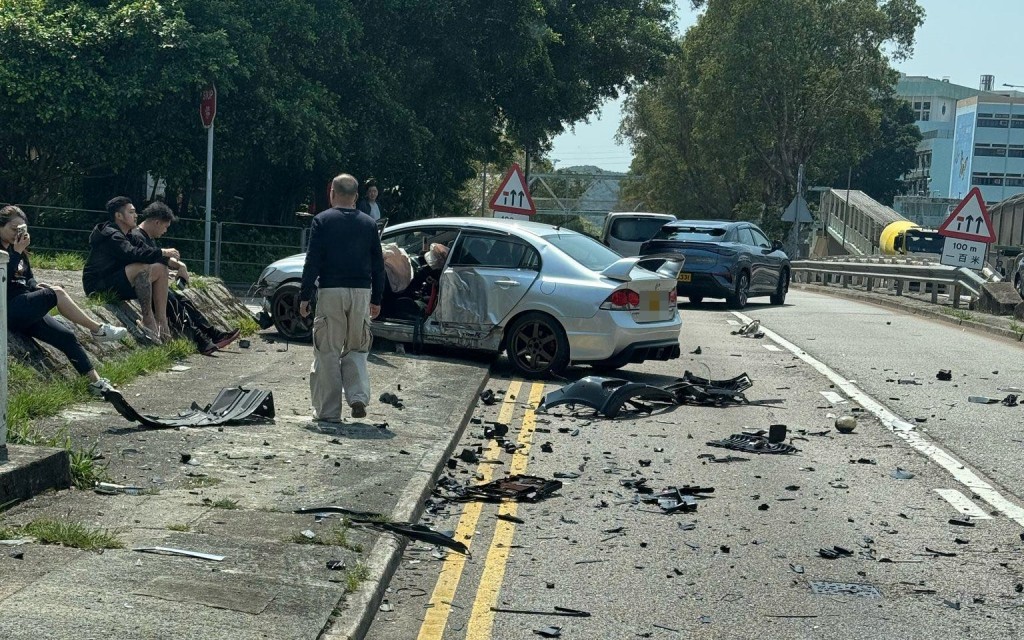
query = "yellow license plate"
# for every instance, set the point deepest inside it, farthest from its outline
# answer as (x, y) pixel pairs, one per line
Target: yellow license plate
(685, 277)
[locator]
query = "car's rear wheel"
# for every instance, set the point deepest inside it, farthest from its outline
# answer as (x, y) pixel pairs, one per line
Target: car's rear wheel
(284, 308)
(779, 297)
(738, 299)
(536, 345)
(696, 299)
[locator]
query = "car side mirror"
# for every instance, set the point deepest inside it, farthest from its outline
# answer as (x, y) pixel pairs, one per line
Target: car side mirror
(777, 245)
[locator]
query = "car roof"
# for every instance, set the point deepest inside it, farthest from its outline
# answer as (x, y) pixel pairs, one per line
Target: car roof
(538, 229)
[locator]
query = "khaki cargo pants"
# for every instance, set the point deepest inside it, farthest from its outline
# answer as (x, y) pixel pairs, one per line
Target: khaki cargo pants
(341, 344)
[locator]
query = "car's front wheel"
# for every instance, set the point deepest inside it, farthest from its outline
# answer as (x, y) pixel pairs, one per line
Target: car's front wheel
(779, 297)
(738, 299)
(284, 309)
(536, 345)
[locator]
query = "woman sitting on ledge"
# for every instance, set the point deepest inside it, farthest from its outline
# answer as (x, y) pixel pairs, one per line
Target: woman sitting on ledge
(29, 304)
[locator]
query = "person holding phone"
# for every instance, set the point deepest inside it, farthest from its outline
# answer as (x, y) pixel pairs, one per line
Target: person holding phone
(29, 303)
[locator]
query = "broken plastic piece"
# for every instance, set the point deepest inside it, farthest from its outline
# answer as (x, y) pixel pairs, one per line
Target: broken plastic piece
(510, 518)
(519, 488)
(559, 611)
(335, 565)
(1010, 400)
(901, 474)
(965, 523)
(752, 443)
(729, 458)
(606, 395)
(945, 375)
(982, 400)
(487, 397)
(232, 405)
(391, 399)
(776, 433)
(549, 632)
(109, 488)
(469, 456)
(691, 389)
(181, 552)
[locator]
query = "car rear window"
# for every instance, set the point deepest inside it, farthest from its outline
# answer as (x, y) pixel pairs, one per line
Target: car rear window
(695, 233)
(636, 229)
(584, 250)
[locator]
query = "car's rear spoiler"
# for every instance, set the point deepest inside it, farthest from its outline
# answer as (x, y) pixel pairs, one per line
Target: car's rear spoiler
(672, 264)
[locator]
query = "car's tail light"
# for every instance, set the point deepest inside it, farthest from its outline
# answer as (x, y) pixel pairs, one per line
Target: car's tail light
(673, 296)
(622, 300)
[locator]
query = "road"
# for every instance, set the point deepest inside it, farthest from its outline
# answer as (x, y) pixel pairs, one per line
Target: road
(742, 565)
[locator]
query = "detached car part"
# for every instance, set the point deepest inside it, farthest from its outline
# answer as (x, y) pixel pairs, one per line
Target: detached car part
(606, 395)
(691, 389)
(752, 443)
(233, 405)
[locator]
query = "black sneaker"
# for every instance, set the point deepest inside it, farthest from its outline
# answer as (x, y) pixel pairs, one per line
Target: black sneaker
(358, 409)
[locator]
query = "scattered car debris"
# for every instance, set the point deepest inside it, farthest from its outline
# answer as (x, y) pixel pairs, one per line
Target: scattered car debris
(180, 552)
(1010, 400)
(507, 517)
(109, 488)
(389, 398)
(797, 568)
(963, 523)
(469, 456)
(752, 443)
(750, 330)
(834, 552)
(386, 606)
(844, 589)
(547, 447)
(692, 389)
(233, 405)
(911, 381)
(943, 554)
(566, 475)
(944, 374)
(606, 395)
(724, 459)
(518, 488)
(696, 351)
(487, 397)
(901, 474)
(864, 461)
(371, 520)
(776, 433)
(244, 343)
(549, 632)
(558, 611)
(495, 430)
(335, 565)
(982, 400)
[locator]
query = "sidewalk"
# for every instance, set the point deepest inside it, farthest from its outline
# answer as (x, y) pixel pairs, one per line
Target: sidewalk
(234, 497)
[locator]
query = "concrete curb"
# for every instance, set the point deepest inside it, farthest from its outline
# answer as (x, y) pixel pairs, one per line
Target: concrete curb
(859, 296)
(386, 555)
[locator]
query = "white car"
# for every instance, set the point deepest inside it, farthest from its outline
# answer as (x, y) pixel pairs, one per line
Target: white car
(545, 295)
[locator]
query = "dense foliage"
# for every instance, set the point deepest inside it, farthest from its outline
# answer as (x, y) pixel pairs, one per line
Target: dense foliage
(96, 93)
(755, 89)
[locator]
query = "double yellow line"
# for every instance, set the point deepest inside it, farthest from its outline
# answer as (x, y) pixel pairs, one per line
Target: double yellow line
(481, 619)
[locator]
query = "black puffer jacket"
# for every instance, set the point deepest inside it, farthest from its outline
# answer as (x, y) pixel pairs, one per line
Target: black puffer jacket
(109, 251)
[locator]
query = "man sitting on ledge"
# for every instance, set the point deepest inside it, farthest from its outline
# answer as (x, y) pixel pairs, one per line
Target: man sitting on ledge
(128, 270)
(181, 312)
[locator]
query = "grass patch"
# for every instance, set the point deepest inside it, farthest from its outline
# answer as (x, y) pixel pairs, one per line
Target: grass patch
(58, 261)
(960, 314)
(223, 503)
(201, 482)
(178, 527)
(1017, 328)
(355, 577)
(335, 537)
(32, 396)
(246, 324)
(199, 283)
(66, 534)
(101, 299)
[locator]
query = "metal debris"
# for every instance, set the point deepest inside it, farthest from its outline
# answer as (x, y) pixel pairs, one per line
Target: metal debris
(233, 405)
(180, 552)
(752, 443)
(558, 611)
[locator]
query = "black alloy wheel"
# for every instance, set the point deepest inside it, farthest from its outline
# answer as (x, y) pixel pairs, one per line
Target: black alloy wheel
(284, 308)
(739, 298)
(779, 297)
(536, 346)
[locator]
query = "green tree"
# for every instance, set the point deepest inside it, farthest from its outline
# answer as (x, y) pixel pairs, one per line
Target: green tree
(892, 155)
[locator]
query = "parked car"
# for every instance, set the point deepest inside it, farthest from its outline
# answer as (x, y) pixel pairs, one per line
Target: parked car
(731, 260)
(544, 295)
(626, 231)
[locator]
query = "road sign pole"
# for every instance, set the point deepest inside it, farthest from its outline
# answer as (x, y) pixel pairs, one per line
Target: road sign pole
(209, 198)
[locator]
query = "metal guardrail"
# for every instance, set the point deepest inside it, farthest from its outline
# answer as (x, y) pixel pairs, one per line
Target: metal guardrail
(898, 276)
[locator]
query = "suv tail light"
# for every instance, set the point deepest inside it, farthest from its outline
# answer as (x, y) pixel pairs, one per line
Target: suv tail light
(622, 300)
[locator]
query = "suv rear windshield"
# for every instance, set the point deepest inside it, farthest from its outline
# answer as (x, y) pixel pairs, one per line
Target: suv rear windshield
(584, 250)
(694, 233)
(636, 229)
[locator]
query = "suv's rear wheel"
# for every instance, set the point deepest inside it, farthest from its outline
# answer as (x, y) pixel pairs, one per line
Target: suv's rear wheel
(284, 308)
(738, 299)
(536, 345)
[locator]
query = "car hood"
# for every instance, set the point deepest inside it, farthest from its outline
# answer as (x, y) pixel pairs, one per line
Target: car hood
(285, 268)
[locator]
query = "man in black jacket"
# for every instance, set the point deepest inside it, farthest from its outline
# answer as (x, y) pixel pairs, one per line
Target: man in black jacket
(369, 204)
(182, 313)
(345, 262)
(127, 270)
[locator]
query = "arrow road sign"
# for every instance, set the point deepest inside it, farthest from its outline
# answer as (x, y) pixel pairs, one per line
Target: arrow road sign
(970, 220)
(513, 196)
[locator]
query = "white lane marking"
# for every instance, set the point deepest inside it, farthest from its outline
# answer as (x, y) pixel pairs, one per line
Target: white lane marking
(904, 430)
(962, 504)
(833, 397)
(771, 347)
(734, 323)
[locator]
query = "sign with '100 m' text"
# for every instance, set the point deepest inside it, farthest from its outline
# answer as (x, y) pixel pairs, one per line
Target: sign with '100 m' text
(968, 230)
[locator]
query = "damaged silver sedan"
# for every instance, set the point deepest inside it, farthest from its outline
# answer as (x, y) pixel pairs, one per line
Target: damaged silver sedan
(545, 295)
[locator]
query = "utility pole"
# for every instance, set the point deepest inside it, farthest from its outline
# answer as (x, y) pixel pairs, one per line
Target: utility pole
(1009, 132)
(795, 239)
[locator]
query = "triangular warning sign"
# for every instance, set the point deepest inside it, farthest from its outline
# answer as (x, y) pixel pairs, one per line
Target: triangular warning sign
(513, 196)
(970, 220)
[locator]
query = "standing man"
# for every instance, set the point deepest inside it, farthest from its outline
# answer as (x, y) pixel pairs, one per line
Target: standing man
(344, 262)
(369, 205)
(127, 270)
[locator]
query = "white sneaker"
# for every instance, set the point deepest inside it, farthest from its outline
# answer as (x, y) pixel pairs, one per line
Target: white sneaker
(109, 333)
(99, 387)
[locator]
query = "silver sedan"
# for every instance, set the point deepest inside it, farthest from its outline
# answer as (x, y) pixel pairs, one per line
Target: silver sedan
(545, 295)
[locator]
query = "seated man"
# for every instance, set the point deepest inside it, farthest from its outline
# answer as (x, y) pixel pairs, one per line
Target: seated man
(181, 312)
(128, 270)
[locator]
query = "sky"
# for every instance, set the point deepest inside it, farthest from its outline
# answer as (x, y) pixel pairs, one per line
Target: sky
(958, 39)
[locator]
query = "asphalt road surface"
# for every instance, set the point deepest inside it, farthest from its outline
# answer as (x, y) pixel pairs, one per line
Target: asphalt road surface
(746, 563)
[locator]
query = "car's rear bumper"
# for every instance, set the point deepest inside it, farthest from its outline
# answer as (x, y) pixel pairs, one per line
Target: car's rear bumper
(611, 333)
(706, 284)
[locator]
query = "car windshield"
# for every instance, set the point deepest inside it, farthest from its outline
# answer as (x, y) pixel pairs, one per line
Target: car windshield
(584, 250)
(695, 233)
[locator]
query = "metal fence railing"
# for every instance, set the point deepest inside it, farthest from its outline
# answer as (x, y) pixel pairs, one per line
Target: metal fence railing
(239, 250)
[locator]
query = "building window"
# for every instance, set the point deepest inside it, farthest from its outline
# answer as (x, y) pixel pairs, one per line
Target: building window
(922, 110)
(993, 123)
(989, 151)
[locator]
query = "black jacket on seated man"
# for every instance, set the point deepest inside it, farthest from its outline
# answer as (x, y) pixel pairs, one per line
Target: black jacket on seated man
(182, 313)
(110, 251)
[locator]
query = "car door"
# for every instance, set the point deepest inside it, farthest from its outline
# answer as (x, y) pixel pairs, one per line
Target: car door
(771, 259)
(486, 277)
(753, 257)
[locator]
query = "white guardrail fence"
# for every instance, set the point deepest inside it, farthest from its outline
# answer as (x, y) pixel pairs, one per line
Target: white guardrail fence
(896, 275)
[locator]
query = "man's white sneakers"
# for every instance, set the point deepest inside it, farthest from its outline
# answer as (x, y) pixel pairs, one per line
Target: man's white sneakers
(109, 333)
(99, 387)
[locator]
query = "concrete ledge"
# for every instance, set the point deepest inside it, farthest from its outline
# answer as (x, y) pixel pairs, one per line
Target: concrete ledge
(30, 471)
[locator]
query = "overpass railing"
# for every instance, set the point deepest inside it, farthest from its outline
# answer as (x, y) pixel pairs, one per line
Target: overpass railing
(900, 277)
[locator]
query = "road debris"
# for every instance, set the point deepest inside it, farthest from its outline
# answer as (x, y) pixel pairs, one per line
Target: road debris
(823, 587)
(517, 488)
(752, 443)
(724, 459)
(834, 552)
(846, 424)
(110, 489)
(696, 351)
(692, 389)
(336, 565)
(750, 330)
(558, 611)
(389, 398)
(233, 405)
(369, 520)
(964, 523)
(180, 552)
(776, 433)
(507, 517)
(901, 474)
(1010, 400)
(487, 397)
(944, 374)
(982, 400)
(549, 632)
(606, 395)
